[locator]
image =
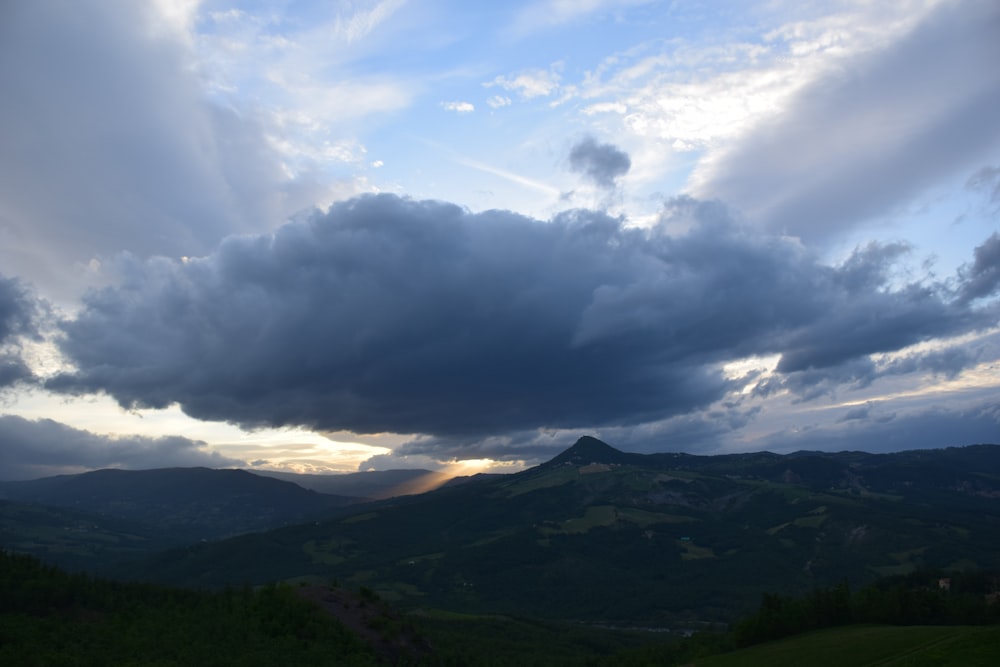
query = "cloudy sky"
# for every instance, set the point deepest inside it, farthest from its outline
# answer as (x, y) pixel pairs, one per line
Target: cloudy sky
(325, 236)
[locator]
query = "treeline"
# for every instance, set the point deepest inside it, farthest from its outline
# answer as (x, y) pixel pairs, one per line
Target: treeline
(922, 598)
(50, 617)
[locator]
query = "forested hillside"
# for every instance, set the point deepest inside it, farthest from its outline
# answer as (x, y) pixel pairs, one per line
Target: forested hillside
(668, 540)
(48, 617)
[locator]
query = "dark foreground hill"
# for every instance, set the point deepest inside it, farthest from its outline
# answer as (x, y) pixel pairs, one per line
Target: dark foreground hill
(871, 646)
(604, 536)
(48, 617)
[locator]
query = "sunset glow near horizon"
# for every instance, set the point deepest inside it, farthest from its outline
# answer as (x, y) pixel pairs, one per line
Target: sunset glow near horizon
(328, 237)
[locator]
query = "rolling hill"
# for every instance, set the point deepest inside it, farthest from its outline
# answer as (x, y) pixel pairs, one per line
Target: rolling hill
(76, 540)
(369, 485)
(601, 535)
(871, 646)
(186, 504)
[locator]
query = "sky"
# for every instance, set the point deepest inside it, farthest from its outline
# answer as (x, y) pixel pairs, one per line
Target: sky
(326, 236)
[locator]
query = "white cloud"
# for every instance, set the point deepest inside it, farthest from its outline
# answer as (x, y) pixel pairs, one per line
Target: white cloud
(176, 15)
(863, 139)
(497, 101)
(697, 95)
(360, 24)
(299, 75)
(39, 448)
(540, 15)
(605, 107)
(458, 107)
(710, 97)
(112, 146)
(531, 82)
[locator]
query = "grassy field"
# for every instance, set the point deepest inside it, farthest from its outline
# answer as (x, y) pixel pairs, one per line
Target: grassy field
(873, 646)
(493, 640)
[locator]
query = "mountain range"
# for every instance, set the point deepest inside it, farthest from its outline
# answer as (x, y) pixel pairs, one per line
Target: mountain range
(601, 535)
(369, 485)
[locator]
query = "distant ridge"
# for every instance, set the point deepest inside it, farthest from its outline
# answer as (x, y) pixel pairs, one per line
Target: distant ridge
(371, 484)
(640, 540)
(193, 503)
(169, 485)
(589, 450)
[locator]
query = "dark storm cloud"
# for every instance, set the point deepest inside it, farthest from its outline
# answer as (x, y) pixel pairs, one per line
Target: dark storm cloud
(601, 163)
(389, 315)
(12, 370)
(857, 414)
(982, 278)
(19, 312)
(809, 383)
(869, 322)
(868, 137)
(868, 317)
(530, 445)
(947, 362)
(831, 353)
(33, 449)
(860, 373)
(703, 431)
(386, 314)
(869, 430)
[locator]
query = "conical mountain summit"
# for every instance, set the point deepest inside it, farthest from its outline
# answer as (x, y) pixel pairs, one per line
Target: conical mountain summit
(589, 450)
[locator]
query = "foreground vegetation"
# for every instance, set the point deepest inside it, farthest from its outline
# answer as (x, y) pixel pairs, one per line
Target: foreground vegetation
(868, 646)
(912, 619)
(49, 617)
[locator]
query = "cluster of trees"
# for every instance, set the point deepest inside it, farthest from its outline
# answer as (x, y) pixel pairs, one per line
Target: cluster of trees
(917, 599)
(922, 598)
(49, 617)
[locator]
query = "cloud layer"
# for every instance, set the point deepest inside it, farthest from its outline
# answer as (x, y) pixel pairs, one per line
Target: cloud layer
(40, 448)
(110, 144)
(861, 140)
(386, 314)
(870, 427)
(19, 314)
(601, 163)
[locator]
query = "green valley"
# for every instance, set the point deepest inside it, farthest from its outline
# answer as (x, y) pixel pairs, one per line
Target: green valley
(667, 540)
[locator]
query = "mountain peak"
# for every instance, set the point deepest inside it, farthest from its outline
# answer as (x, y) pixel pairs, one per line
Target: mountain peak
(589, 450)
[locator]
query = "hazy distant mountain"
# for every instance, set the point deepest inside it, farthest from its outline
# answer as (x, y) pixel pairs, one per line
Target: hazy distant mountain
(187, 503)
(373, 484)
(602, 535)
